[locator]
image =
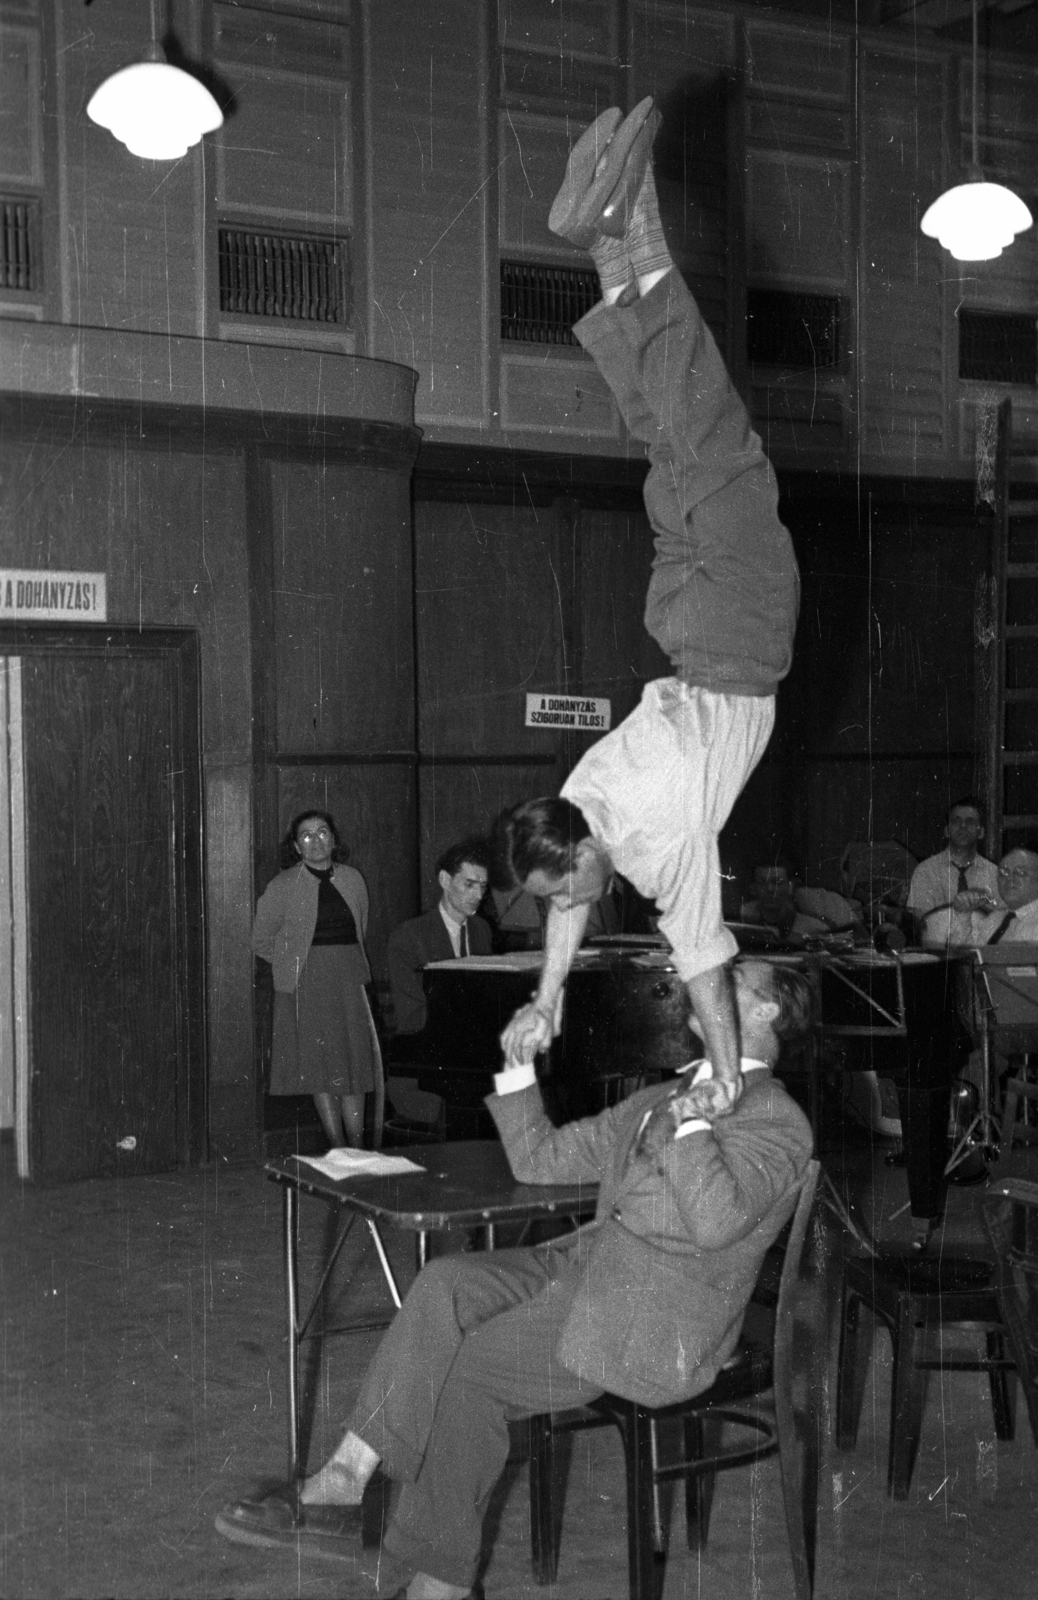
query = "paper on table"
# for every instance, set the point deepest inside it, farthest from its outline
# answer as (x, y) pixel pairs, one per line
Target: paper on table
(514, 961)
(360, 1164)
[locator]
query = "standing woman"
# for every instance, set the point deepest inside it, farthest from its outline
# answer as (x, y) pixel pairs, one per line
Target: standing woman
(310, 924)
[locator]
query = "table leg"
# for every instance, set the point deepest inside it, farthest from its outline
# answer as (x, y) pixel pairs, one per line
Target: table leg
(384, 1260)
(292, 1296)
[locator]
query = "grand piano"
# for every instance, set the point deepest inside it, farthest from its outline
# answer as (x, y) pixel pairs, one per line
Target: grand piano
(625, 1023)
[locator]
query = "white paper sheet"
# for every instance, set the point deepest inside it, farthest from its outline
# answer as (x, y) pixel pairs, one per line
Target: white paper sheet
(360, 1164)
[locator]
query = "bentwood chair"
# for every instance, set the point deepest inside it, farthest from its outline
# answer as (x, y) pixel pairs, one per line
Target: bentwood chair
(790, 1363)
(1010, 1214)
(917, 1298)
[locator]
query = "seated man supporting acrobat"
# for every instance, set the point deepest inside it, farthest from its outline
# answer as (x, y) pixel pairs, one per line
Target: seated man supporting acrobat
(650, 799)
(646, 1301)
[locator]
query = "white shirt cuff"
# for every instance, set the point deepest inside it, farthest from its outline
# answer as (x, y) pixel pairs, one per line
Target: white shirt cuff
(693, 1125)
(515, 1078)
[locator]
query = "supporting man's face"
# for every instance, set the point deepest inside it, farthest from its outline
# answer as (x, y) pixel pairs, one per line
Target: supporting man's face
(753, 984)
(964, 829)
(463, 890)
(1018, 878)
(585, 882)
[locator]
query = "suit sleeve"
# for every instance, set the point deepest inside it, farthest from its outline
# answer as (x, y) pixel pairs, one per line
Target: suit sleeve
(538, 1152)
(359, 891)
(715, 1186)
(270, 913)
(403, 958)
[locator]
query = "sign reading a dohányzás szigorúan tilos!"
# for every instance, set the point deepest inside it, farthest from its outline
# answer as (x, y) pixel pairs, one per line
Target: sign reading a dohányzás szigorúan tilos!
(55, 596)
(568, 711)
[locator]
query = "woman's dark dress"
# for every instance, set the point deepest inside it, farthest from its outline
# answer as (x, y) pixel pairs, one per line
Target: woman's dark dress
(322, 1032)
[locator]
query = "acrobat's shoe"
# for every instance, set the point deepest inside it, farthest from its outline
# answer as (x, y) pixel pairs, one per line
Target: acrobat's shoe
(603, 175)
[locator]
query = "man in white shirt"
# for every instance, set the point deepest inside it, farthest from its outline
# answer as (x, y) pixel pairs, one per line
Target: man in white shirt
(952, 892)
(649, 800)
(646, 1301)
(1016, 919)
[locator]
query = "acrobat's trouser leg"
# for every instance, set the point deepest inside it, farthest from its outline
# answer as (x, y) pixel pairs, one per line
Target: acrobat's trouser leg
(723, 598)
(473, 1344)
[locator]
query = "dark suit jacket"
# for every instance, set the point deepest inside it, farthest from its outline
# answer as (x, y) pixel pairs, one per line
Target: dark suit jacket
(411, 945)
(663, 1274)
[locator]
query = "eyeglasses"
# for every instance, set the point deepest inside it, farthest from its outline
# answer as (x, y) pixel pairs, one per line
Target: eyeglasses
(1018, 872)
(309, 834)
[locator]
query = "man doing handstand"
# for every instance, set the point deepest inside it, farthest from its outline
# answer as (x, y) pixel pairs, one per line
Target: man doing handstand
(650, 799)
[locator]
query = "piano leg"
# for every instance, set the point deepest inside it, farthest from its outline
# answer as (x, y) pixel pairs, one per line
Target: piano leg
(924, 1127)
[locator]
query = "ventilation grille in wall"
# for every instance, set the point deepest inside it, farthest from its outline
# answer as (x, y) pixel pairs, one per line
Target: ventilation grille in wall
(19, 250)
(273, 275)
(539, 305)
(998, 347)
(792, 330)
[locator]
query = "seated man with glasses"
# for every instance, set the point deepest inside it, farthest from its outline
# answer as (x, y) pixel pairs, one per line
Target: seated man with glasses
(1016, 922)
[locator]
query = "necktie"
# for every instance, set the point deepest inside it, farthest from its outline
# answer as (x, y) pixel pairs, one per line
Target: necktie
(1003, 925)
(964, 882)
(464, 938)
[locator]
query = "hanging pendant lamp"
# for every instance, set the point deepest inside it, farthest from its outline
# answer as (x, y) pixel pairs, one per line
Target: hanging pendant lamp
(976, 220)
(156, 110)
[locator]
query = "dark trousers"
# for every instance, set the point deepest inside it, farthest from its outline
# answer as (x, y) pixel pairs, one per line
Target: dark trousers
(722, 603)
(472, 1346)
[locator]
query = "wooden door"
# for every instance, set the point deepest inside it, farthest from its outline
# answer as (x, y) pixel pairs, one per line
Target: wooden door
(112, 1060)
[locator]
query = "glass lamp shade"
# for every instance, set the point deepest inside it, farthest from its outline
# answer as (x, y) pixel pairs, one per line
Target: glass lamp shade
(975, 221)
(157, 111)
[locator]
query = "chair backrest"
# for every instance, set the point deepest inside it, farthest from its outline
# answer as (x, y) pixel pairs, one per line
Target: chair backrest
(1010, 1214)
(791, 1261)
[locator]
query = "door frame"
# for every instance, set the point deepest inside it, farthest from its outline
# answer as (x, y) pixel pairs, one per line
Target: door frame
(180, 646)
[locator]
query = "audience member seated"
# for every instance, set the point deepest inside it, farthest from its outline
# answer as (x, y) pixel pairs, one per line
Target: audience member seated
(952, 892)
(777, 900)
(1015, 920)
(451, 928)
(646, 1301)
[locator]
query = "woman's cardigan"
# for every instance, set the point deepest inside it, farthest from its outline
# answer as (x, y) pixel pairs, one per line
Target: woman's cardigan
(286, 917)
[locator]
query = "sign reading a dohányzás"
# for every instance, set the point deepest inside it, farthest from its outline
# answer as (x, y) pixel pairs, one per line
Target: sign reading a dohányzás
(568, 711)
(54, 596)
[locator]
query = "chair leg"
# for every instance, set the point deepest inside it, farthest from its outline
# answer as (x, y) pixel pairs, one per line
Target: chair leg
(907, 1398)
(1008, 1117)
(644, 1570)
(799, 1443)
(699, 1486)
(544, 1544)
(1003, 1387)
(852, 1370)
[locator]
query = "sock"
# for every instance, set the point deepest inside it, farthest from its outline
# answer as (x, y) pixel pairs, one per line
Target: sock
(342, 1479)
(645, 242)
(422, 1587)
(611, 263)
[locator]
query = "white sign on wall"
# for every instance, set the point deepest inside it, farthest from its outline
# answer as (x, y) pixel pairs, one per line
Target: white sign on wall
(568, 711)
(53, 596)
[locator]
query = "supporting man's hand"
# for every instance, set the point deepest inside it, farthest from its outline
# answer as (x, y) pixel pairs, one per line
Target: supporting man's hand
(530, 1031)
(711, 1099)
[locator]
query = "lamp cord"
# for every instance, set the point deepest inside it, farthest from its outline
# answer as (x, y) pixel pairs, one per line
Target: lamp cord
(976, 163)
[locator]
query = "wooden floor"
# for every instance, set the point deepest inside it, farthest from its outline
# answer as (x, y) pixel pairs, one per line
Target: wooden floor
(143, 1385)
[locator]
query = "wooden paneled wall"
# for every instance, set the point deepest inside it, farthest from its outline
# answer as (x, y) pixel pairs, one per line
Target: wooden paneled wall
(334, 667)
(794, 154)
(875, 732)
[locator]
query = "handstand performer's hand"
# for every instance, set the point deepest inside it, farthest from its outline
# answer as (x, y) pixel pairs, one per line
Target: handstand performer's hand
(711, 1099)
(530, 1032)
